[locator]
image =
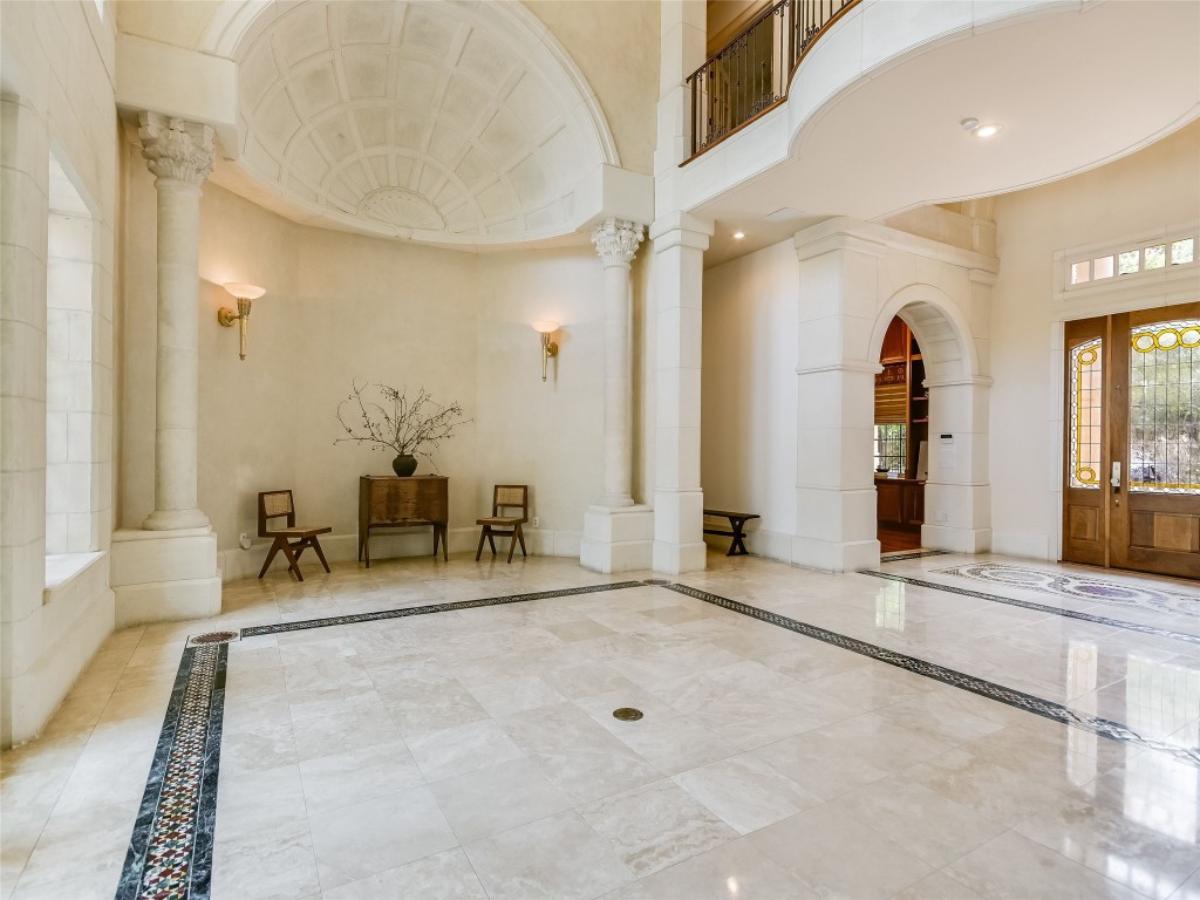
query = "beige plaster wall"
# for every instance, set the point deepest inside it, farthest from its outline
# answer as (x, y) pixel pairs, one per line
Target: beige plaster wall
(1155, 189)
(340, 306)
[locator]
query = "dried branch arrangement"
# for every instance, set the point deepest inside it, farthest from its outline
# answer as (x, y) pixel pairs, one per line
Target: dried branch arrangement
(386, 419)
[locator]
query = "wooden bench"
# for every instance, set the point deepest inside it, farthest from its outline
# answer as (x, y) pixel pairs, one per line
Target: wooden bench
(737, 524)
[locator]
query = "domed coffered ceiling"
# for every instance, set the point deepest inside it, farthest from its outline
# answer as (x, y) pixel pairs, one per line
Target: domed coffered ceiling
(447, 122)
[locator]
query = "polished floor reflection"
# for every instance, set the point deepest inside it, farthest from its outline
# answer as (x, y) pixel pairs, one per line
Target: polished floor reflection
(472, 752)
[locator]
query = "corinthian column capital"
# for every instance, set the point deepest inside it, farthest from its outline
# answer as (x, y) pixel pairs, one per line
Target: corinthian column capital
(176, 149)
(616, 240)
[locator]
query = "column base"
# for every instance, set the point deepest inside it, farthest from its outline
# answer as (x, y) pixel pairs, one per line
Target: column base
(164, 576)
(956, 539)
(617, 539)
(835, 556)
(175, 520)
(676, 559)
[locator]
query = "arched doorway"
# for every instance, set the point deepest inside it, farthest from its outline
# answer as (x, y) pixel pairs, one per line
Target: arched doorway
(936, 496)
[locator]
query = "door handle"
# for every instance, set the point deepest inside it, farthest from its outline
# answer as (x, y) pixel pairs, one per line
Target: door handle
(1115, 481)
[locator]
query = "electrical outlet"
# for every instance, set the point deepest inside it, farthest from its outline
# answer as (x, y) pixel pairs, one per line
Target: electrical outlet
(535, 522)
(244, 541)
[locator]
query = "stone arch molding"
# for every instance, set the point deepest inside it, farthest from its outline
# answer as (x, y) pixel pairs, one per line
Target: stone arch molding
(943, 333)
(444, 122)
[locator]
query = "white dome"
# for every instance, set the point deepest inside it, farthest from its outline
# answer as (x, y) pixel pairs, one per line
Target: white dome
(448, 122)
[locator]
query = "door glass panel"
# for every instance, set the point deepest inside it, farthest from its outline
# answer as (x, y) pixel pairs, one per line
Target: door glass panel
(1164, 407)
(1086, 401)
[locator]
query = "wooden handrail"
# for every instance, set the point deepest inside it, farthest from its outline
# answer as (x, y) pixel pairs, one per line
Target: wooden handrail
(752, 73)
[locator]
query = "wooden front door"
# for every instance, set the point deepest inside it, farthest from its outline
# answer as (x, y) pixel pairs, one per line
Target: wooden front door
(1131, 490)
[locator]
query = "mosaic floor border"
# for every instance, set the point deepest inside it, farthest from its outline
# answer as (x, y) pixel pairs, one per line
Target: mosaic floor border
(402, 612)
(170, 849)
(952, 677)
(1139, 627)
(901, 555)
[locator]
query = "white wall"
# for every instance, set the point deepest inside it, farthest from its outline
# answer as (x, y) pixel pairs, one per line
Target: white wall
(1143, 194)
(340, 306)
(748, 387)
(57, 77)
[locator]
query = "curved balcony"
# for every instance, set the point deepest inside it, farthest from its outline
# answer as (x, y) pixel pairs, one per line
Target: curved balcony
(750, 75)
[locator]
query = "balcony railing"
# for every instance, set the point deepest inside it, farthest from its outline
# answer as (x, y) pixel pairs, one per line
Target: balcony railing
(751, 73)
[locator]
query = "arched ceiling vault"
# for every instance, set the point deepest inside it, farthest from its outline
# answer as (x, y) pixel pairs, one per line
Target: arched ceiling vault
(447, 122)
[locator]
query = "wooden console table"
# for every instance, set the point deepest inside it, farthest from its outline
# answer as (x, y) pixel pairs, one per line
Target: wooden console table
(385, 501)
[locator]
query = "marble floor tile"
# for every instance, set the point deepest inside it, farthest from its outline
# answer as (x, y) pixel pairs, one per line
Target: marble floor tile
(812, 761)
(656, 826)
(497, 798)
(443, 876)
(455, 751)
(277, 865)
(363, 839)
(745, 792)
(732, 871)
(1012, 867)
(836, 855)
(357, 775)
(556, 858)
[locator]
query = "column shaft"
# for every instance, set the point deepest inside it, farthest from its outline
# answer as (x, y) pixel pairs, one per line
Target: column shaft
(180, 155)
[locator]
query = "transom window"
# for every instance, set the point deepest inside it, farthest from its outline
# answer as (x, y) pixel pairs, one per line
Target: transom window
(1125, 262)
(1164, 407)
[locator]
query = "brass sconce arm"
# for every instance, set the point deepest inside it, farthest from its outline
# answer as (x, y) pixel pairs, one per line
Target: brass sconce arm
(549, 347)
(245, 295)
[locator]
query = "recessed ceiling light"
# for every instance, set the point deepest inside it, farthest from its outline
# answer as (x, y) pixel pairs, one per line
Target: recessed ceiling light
(738, 235)
(972, 125)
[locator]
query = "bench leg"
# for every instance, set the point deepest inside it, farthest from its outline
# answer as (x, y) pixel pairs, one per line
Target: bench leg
(737, 547)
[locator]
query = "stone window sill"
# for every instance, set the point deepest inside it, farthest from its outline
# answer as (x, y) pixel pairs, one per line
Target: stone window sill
(63, 568)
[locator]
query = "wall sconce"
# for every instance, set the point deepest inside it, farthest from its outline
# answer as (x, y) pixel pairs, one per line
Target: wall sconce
(549, 347)
(244, 294)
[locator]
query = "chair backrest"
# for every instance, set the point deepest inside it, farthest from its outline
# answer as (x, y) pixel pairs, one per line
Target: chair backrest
(273, 505)
(511, 496)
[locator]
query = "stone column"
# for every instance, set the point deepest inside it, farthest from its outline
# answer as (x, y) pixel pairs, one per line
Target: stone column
(180, 154)
(835, 486)
(679, 244)
(616, 240)
(617, 532)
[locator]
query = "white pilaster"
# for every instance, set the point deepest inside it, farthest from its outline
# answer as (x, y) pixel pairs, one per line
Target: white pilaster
(617, 533)
(835, 489)
(679, 244)
(957, 493)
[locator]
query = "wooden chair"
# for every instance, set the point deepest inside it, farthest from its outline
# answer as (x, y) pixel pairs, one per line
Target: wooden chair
(505, 497)
(275, 505)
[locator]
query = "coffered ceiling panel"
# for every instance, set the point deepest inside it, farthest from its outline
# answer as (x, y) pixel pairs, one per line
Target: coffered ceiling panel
(448, 122)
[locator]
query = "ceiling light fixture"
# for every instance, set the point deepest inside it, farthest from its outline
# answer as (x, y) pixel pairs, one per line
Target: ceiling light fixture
(972, 125)
(738, 235)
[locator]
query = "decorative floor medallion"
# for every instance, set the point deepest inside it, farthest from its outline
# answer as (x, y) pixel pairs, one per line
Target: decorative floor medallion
(1081, 587)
